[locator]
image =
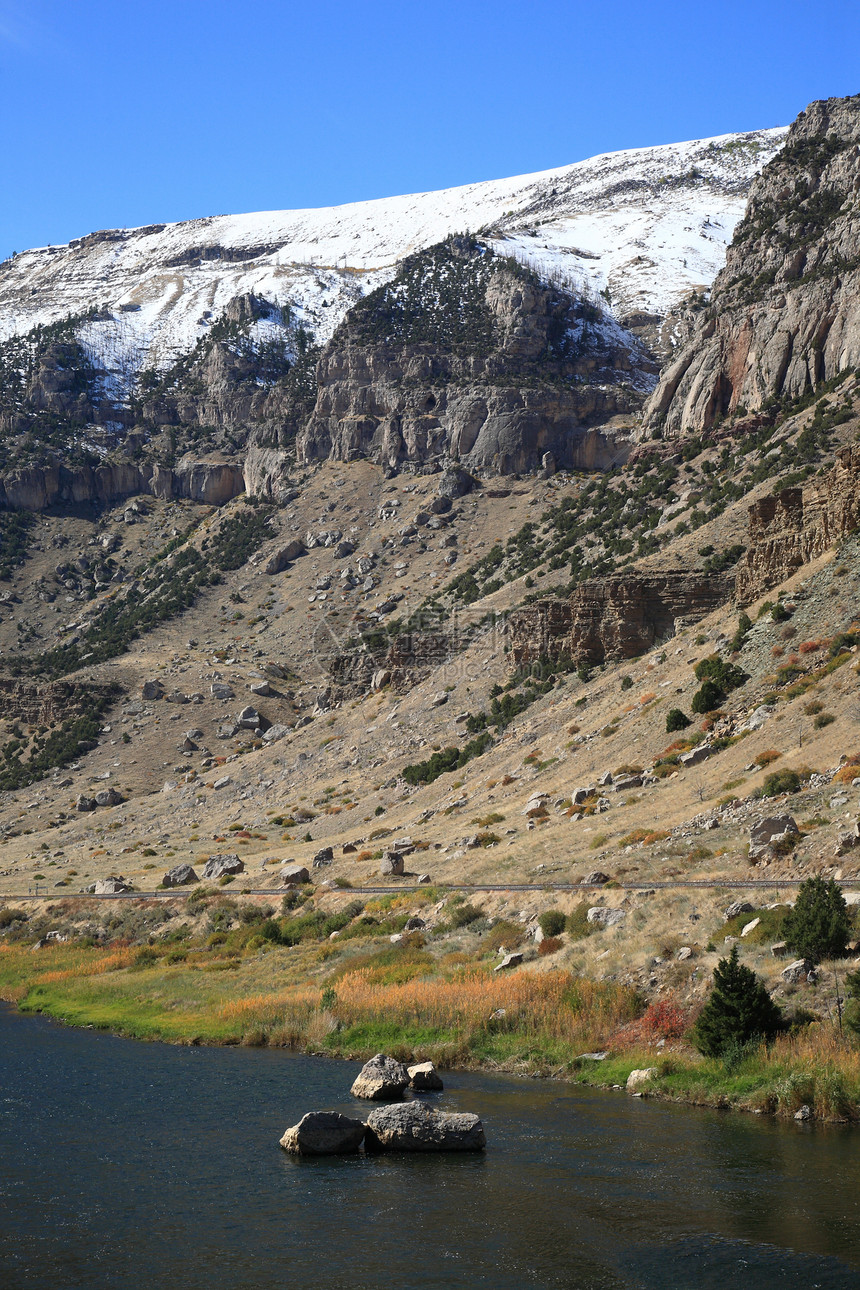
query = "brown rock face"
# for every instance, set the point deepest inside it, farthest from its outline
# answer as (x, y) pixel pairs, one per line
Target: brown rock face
(614, 618)
(785, 310)
(47, 704)
(788, 529)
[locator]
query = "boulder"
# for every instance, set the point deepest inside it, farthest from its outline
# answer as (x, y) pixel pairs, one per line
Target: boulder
(795, 972)
(248, 718)
(262, 689)
(415, 1126)
(218, 866)
(775, 828)
(325, 856)
(636, 1078)
(382, 1079)
(221, 690)
(294, 874)
(179, 876)
(108, 797)
(626, 782)
(455, 482)
(606, 917)
(424, 1078)
(285, 555)
(324, 1133)
(392, 864)
(579, 795)
(380, 679)
(695, 756)
(275, 732)
(511, 960)
(750, 926)
(152, 690)
(111, 887)
(595, 879)
(738, 907)
(85, 803)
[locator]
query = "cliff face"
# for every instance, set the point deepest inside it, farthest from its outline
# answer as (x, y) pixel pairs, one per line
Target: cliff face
(468, 355)
(788, 529)
(36, 488)
(785, 311)
(614, 618)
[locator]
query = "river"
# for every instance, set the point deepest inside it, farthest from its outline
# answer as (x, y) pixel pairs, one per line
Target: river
(156, 1167)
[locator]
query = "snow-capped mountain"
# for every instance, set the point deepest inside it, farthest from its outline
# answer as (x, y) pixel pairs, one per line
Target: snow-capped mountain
(643, 227)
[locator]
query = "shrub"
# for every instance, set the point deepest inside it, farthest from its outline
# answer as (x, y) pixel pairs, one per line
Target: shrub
(707, 698)
(463, 915)
(627, 682)
(818, 926)
(549, 945)
(823, 719)
(767, 757)
(781, 781)
(676, 720)
(552, 922)
(738, 1011)
(578, 926)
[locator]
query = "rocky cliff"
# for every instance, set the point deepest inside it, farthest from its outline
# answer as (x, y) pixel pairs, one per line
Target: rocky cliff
(792, 527)
(784, 314)
(614, 618)
(469, 355)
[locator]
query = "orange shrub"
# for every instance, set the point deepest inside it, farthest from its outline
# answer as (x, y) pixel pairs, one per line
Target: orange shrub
(809, 647)
(769, 755)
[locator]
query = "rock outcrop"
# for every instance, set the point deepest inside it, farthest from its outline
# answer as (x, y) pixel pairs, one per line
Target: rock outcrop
(211, 480)
(414, 1126)
(790, 528)
(382, 1079)
(324, 1133)
(614, 618)
(785, 311)
(469, 356)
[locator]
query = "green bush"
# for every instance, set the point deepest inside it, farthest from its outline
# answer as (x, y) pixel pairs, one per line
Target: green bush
(738, 1012)
(780, 781)
(817, 927)
(676, 720)
(463, 915)
(707, 698)
(552, 922)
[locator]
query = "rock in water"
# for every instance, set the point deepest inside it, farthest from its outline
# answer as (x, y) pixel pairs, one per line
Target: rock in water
(414, 1126)
(424, 1077)
(324, 1133)
(382, 1079)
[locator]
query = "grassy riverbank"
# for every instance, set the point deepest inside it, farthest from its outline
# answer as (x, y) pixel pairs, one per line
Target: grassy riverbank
(402, 1001)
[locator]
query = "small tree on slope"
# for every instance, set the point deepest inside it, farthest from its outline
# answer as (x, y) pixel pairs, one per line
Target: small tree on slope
(818, 926)
(739, 1010)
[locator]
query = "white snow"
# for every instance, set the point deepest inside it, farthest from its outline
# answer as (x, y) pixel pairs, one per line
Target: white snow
(644, 227)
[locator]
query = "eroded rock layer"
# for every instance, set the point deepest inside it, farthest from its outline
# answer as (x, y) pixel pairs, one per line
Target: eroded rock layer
(614, 618)
(790, 528)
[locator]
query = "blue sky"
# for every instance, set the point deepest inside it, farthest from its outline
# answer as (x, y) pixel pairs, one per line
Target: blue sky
(124, 112)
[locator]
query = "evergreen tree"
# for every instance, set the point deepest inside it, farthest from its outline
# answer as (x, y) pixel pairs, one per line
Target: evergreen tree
(739, 1009)
(817, 928)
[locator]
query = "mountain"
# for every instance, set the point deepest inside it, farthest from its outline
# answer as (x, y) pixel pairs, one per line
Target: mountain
(156, 358)
(417, 552)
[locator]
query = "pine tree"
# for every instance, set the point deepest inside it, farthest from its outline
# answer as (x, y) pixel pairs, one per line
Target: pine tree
(739, 1009)
(817, 928)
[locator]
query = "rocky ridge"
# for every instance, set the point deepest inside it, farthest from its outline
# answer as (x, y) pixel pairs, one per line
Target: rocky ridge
(783, 316)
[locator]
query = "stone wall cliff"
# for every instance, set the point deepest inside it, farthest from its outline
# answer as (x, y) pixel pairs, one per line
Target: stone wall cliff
(609, 619)
(785, 311)
(790, 528)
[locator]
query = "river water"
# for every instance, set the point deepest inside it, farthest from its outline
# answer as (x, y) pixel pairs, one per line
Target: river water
(152, 1167)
